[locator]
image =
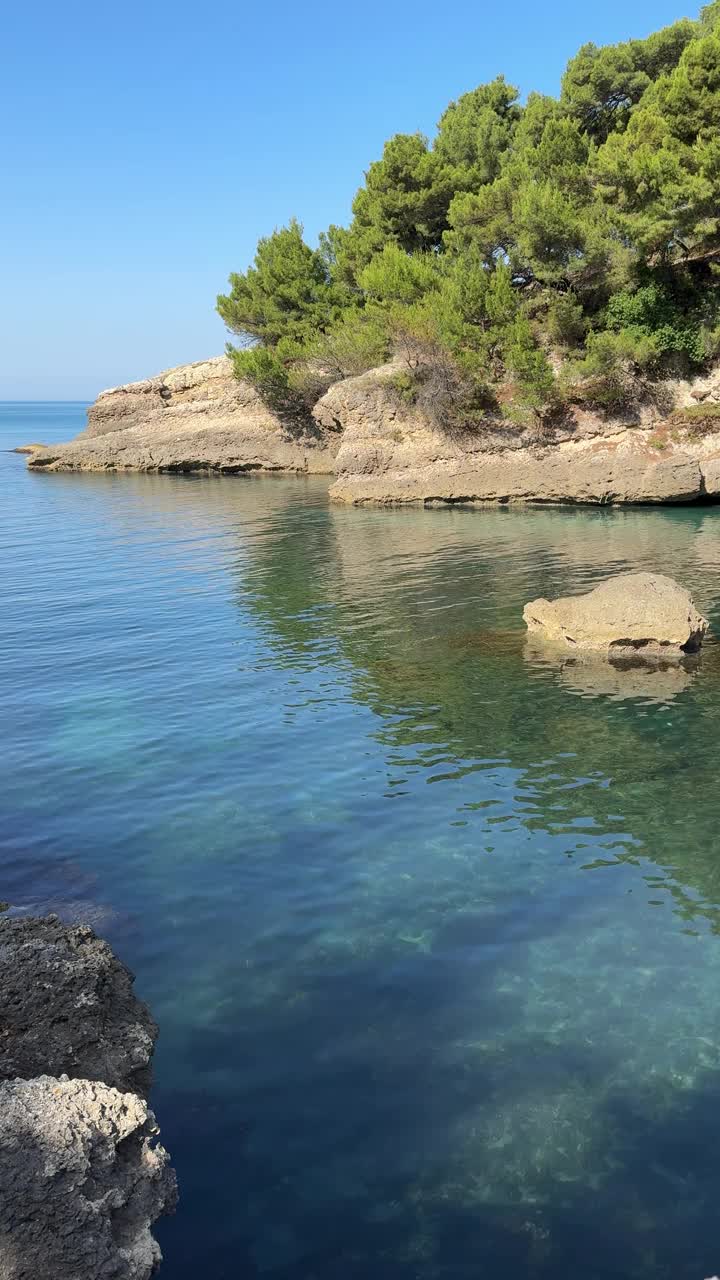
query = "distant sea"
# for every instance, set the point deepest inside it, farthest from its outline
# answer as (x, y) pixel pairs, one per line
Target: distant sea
(430, 922)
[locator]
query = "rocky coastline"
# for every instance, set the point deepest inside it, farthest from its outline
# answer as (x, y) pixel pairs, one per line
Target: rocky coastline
(82, 1176)
(196, 417)
(378, 450)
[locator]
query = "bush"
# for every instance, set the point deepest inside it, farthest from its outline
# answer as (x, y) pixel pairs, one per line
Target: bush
(698, 419)
(608, 375)
(357, 343)
(264, 370)
(395, 276)
(434, 381)
(672, 323)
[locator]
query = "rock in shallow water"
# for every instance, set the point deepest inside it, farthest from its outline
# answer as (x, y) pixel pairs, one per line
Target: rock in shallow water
(633, 614)
(80, 1182)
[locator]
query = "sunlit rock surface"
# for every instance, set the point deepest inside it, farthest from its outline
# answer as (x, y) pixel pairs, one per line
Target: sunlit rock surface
(631, 614)
(391, 454)
(197, 417)
(81, 1182)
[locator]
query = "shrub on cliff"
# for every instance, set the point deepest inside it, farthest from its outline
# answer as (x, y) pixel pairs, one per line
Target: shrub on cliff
(587, 226)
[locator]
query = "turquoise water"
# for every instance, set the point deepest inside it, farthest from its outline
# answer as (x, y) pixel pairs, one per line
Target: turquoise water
(430, 923)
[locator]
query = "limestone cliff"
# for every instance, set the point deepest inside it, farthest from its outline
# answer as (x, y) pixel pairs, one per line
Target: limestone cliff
(196, 417)
(391, 454)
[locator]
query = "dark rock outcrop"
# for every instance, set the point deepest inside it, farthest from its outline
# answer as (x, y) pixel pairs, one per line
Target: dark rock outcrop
(67, 1007)
(82, 1178)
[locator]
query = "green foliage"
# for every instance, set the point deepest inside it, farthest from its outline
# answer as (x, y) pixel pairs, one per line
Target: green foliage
(588, 224)
(601, 86)
(263, 368)
(656, 313)
(698, 419)
(394, 276)
(566, 322)
(287, 293)
(359, 341)
(608, 375)
(529, 363)
(404, 202)
(476, 131)
(661, 177)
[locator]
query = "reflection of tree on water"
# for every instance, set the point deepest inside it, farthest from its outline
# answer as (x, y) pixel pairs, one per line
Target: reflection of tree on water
(412, 601)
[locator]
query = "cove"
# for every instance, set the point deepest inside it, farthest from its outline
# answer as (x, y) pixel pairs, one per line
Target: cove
(429, 921)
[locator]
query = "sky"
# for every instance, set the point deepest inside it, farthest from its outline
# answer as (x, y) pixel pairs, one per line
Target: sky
(144, 148)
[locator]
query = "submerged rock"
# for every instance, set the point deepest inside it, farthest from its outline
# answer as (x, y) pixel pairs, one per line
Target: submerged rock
(594, 675)
(80, 1182)
(67, 1007)
(632, 614)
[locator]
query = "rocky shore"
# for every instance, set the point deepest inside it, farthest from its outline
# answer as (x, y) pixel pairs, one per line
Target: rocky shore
(379, 450)
(82, 1177)
(197, 417)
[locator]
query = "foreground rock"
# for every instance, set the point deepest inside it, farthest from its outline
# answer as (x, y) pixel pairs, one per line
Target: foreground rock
(67, 1007)
(80, 1182)
(391, 454)
(81, 1177)
(196, 417)
(29, 448)
(633, 614)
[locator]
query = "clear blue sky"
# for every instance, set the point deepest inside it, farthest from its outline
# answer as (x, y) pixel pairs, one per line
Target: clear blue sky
(145, 147)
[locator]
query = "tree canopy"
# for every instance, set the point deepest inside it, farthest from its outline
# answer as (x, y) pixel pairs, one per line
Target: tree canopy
(560, 248)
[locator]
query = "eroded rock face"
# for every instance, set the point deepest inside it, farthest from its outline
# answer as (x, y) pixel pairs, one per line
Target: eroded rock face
(632, 614)
(67, 1007)
(81, 1182)
(389, 453)
(196, 417)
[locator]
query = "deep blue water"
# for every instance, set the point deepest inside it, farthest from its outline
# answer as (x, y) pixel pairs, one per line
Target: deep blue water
(430, 923)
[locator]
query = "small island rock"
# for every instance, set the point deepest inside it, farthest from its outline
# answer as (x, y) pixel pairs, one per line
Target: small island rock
(632, 614)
